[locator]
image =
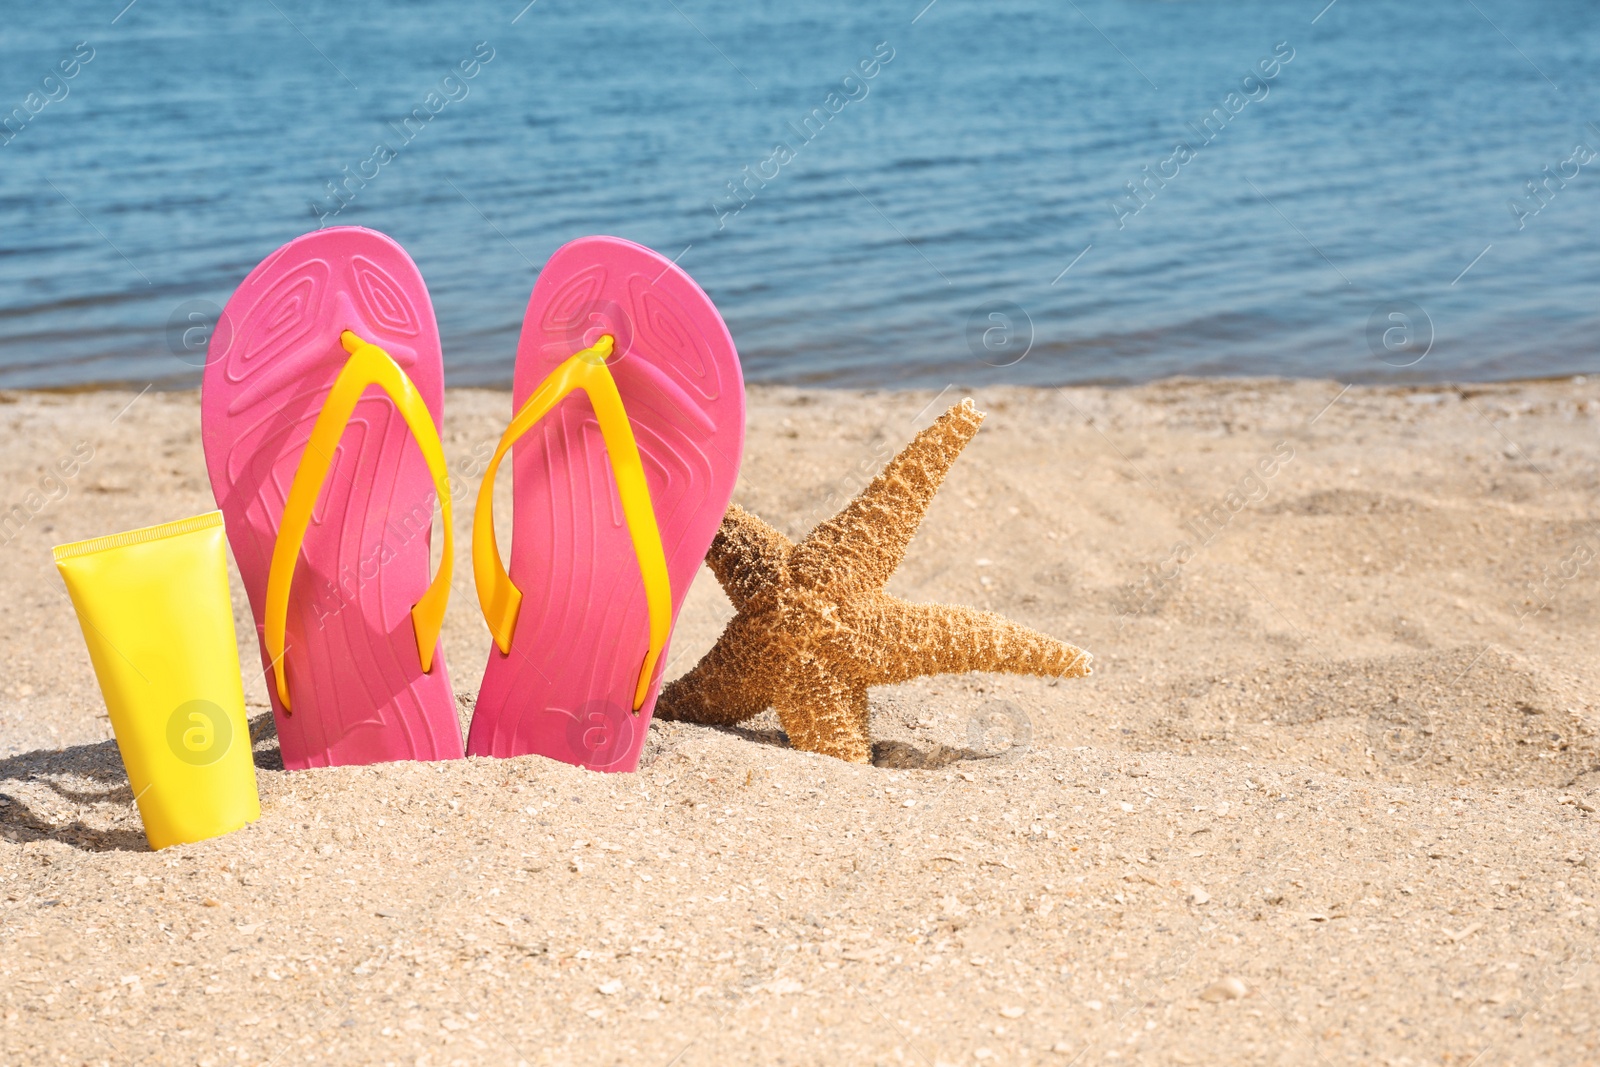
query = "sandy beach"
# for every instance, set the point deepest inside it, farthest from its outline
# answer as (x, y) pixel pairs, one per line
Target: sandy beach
(1329, 796)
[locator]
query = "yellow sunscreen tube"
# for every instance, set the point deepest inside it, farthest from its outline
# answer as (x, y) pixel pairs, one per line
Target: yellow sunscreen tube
(158, 620)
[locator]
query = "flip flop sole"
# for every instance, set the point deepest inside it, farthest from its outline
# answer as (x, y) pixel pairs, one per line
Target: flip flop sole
(356, 684)
(565, 689)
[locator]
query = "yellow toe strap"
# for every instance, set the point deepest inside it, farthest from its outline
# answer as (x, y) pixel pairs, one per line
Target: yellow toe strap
(497, 596)
(368, 365)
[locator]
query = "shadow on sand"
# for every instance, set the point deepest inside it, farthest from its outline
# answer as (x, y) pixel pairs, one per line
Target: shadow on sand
(89, 776)
(893, 755)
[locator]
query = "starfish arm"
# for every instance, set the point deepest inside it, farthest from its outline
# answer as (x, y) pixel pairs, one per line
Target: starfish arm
(824, 714)
(725, 687)
(911, 640)
(862, 545)
(747, 556)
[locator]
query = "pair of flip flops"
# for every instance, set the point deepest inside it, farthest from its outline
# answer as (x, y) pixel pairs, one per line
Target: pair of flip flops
(320, 406)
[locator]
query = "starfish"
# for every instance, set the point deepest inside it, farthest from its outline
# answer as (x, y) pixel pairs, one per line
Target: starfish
(814, 627)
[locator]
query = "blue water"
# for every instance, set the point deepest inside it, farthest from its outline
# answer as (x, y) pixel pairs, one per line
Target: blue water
(1352, 219)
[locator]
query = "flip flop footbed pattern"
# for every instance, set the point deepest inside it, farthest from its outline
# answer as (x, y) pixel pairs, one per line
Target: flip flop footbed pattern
(566, 687)
(357, 689)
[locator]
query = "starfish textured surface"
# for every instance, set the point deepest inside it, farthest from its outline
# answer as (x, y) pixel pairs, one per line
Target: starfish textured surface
(814, 628)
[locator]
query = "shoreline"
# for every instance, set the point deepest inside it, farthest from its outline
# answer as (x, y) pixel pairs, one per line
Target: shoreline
(1243, 380)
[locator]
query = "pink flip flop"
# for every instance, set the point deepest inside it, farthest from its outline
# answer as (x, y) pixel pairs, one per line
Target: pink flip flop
(319, 409)
(616, 496)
